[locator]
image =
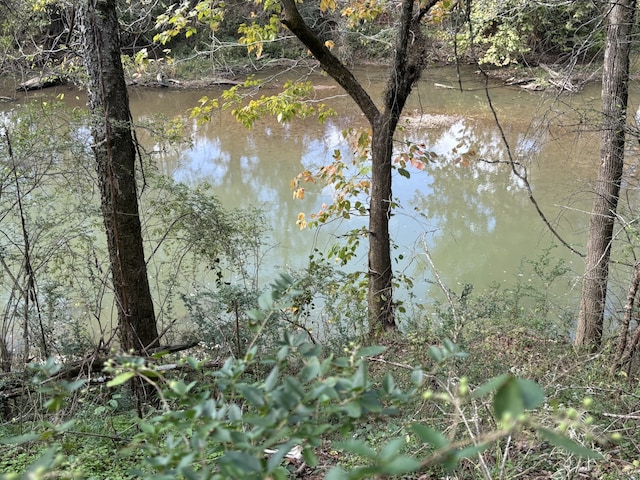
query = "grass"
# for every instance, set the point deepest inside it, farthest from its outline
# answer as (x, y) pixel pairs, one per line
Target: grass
(94, 447)
(582, 402)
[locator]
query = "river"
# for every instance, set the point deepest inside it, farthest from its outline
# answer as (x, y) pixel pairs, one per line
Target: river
(466, 208)
(474, 217)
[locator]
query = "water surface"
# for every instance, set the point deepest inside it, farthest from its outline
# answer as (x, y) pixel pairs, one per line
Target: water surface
(466, 207)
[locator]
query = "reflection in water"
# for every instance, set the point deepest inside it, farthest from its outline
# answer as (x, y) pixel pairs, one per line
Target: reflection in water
(205, 160)
(466, 206)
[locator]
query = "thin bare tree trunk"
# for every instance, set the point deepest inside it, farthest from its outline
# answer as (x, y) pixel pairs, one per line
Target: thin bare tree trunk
(625, 350)
(380, 292)
(615, 80)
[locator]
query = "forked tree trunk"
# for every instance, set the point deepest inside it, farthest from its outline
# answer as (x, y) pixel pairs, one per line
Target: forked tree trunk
(406, 67)
(115, 154)
(615, 80)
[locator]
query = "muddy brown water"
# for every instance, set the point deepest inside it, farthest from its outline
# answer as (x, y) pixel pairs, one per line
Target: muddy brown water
(466, 208)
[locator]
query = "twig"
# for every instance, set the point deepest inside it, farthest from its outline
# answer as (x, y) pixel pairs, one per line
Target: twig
(387, 362)
(97, 435)
(618, 415)
(444, 288)
(625, 350)
(522, 174)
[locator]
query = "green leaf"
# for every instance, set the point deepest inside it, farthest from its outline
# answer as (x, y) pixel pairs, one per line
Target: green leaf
(370, 402)
(54, 404)
(391, 449)
(361, 376)
(295, 388)
(46, 463)
(251, 394)
(73, 386)
(284, 281)
(435, 353)
(508, 401)
(276, 458)
(353, 409)
(221, 435)
(193, 363)
(63, 427)
(256, 315)
(558, 440)
(417, 376)
(20, 439)
(471, 451)
(310, 370)
(532, 394)
(309, 456)
(357, 447)
(430, 435)
(516, 395)
(242, 461)
(181, 388)
(147, 428)
(336, 473)
(388, 383)
(449, 345)
(234, 413)
(271, 380)
(401, 465)
(265, 301)
(120, 379)
(404, 173)
(490, 386)
(149, 373)
(371, 351)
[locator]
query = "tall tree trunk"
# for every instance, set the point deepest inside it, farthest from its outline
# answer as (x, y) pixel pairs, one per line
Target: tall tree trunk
(115, 154)
(380, 293)
(615, 80)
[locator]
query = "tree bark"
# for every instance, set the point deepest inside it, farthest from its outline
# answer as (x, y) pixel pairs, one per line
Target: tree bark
(407, 65)
(380, 288)
(615, 80)
(115, 154)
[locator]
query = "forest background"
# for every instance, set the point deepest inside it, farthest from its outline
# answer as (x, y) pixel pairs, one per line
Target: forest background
(476, 386)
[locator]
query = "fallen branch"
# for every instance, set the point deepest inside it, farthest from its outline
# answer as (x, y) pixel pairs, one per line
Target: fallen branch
(16, 384)
(624, 417)
(38, 83)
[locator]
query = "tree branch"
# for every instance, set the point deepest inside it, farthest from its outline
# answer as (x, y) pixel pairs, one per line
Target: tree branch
(292, 19)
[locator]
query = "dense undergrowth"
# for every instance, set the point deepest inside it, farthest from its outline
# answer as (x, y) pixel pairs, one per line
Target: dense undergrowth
(419, 406)
(486, 385)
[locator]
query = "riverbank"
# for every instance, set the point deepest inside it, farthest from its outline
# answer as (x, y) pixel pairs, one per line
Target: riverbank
(536, 78)
(190, 74)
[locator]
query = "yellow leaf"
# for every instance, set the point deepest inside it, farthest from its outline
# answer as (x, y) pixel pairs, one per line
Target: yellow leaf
(301, 222)
(327, 5)
(329, 44)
